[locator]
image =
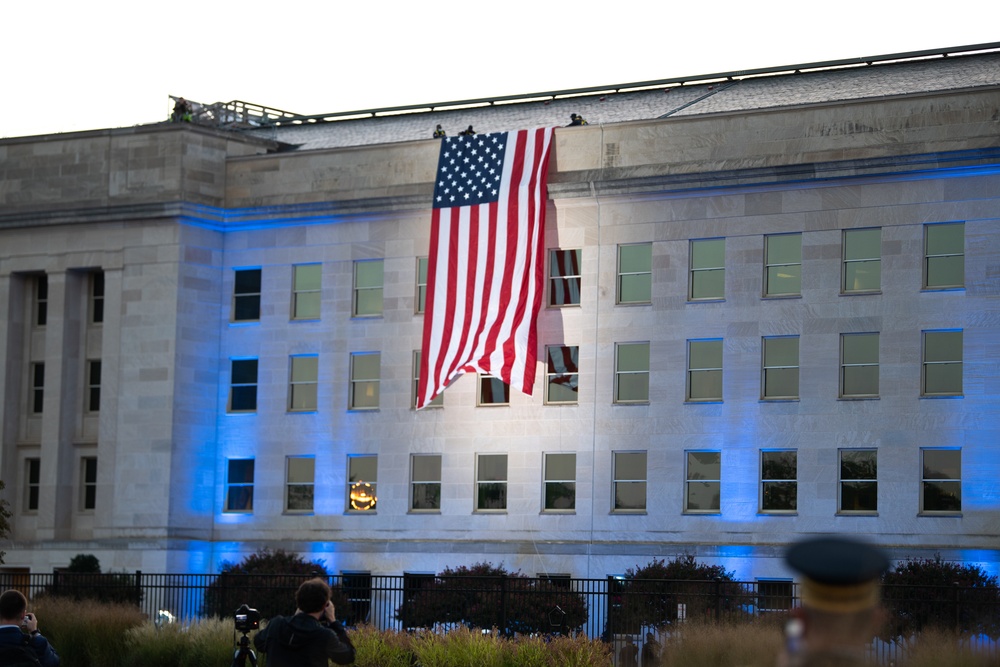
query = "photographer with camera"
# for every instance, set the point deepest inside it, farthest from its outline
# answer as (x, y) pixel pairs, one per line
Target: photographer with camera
(311, 636)
(20, 641)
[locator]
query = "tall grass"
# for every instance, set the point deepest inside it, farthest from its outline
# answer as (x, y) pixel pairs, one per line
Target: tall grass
(87, 633)
(753, 644)
(934, 648)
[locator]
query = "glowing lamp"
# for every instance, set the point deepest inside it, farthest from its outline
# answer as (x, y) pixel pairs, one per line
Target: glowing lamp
(362, 496)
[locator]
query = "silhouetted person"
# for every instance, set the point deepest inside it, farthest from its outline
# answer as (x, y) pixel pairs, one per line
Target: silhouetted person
(629, 654)
(438, 132)
(311, 636)
(182, 111)
(19, 634)
(575, 120)
(840, 612)
(649, 650)
(467, 132)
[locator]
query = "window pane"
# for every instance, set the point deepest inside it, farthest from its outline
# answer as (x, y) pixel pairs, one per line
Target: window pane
(493, 391)
(781, 352)
(778, 465)
(244, 371)
(784, 279)
(861, 464)
(704, 465)
(781, 383)
(706, 386)
(779, 496)
(421, 304)
(561, 371)
(304, 397)
(942, 464)
(241, 471)
(560, 466)
(427, 468)
(705, 354)
(368, 302)
(708, 284)
(708, 254)
(363, 468)
(564, 277)
(862, 276)
(633, 387)
(492, 496)
(784, 249)
(942, 496)
(860, 348)
(862, 244)
(560, 496)
(633, 357)
(703, 496)
(859, 496)
(239, 499)
(244, 398)
(307, 305)
(305, 369)
(946, 271)
(945, 239)
(630, 495)
(368, 273)
(635, 258)
(635, 288)
(247, 281)
(630, 465)
(942, 345)
(492, 467)
(307, 277)
(426, 496)
(301, 470)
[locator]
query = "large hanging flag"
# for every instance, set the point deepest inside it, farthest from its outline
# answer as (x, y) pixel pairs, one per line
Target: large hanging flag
(485, 270)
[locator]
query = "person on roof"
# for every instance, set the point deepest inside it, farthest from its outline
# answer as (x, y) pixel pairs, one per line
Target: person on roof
(467, 132)
(438, 132)
(576, 119)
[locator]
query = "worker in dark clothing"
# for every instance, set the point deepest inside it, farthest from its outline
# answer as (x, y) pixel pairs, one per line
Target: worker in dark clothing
(182, 111)
(468, 132)
(311, 636)
(576, 119)
(438, 132)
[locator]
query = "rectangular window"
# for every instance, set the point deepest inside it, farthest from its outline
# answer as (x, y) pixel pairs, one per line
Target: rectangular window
(239, 485)
(362, 481)
(303, 383)
(425, 483)
(629, 481)
(708, 269)
(420, 299)
(564, 277)
(562, 374)
(300, 479)
(859, 366)
(858, 481)
(97, 297)
(783, 265)
(780, 378)
(358, 589)
(774, 595)
(941, 483)
(306, 284)
(944, 255)
(491, 482)
(246, 295)
(560, 482)
(368, 284)
(704, 381)
(438, 400)
(942, 364)
(93, 385)
(632, 372)
(635, 273)
(703, 486)
(88, 483)
(41, 300)
(37, 387)
(243, 385)
(862, 272)
(365, 380)
(778, 485)
(493, 391)
(32, 483)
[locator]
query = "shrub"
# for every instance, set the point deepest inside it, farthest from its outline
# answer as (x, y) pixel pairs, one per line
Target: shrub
(267, 581)
(488, 596)
(381, 648)
(83, 580)
(952, 597)
(650, 595)
(4, 520)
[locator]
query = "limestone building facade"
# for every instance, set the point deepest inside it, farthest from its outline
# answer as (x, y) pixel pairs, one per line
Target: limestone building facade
(771, 311)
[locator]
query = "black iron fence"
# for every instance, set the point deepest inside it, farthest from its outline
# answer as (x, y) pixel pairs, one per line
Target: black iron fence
(607, 608)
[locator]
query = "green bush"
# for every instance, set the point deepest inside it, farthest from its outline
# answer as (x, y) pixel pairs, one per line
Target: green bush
(488, 596)
(936, 594)
(267, 581)
(649, 595)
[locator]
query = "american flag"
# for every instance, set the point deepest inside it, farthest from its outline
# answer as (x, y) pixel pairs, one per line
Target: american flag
(485, 270)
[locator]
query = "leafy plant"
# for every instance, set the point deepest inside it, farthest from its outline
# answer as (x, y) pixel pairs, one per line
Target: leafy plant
(951, 597)
(267, 581)
(488, 596)
(4, 520)
(650, 595)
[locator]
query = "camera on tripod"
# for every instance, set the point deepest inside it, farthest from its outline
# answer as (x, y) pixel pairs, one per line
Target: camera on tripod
(246, 619)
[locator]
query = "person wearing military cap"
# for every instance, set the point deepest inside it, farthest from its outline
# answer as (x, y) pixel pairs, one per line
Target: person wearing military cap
(839, 592)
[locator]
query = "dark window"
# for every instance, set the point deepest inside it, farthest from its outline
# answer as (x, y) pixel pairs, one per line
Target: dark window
(37, 387)
(564, 277)
(239, 486)
(88, 466)
(33, 476)
(94, 385)
(246, 295)
(243, 386)
(41, 300)
(97, 297)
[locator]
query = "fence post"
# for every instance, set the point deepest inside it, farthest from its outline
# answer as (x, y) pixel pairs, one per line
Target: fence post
(718, 599)
(138, 589)
(958, 607)
(503, 603)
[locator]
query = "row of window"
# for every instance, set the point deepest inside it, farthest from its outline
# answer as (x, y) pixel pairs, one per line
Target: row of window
(92, 388)
(861, 273)
(940, 482)
(941, 373)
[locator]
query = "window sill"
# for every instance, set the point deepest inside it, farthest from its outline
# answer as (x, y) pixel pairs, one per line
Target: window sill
(478, 511)
(627, 304)
(702, 512)
(858, 398)
(558, 512)
(627, 512)
(778, 513)
(299, 513)
(789, 399)
(703, 401)
(944, 288)
(714, 299)
(933, 396)
(925, 513)
(856, 513)
(779, 297)
(432, 512)
(870, 292)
